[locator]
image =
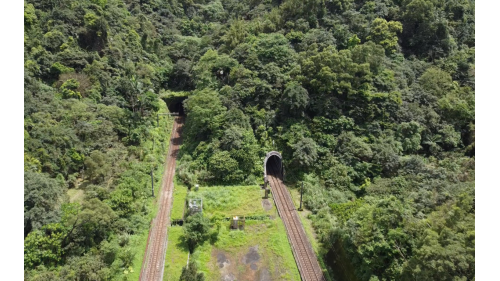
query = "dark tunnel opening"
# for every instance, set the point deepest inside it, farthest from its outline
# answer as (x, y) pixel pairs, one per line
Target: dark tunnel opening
(274, 166)
(179, 107)
(176, 105)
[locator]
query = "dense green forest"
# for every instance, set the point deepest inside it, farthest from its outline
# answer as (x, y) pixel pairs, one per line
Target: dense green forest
(370, 102)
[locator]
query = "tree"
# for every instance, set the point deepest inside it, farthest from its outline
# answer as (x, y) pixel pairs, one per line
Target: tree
(96, 166)
(90, 225)
(380, 244)
(223, 167)
(205, 114)
(295, 99)
(42, 197)
(386, 153)
(196, 230)
(235, 35)
(409, 135)
(305, 153)
(309, 10)
(212, 70)
(29, 15)
(445, 249)
(385, 34)
(87, 267)
(69, 89)
(450, 137)
(425, 33)
(44, 246)
(190, 273)
(436, 81)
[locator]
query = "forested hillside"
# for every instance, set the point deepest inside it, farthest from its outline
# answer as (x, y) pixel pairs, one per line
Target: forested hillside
(370, 102)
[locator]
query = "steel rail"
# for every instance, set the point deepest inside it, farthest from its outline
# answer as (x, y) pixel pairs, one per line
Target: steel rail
(304, 255)
(154, 262)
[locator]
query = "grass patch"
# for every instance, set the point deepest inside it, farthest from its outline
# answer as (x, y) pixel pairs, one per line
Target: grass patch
(138, 244)
(202, 256)
(269, 235)
(231, 200)
(176, 256)
(278, 243)
(180, 194)
(75, 195)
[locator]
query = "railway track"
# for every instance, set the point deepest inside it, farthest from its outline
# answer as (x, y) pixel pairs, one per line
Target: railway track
(301, 247)
(154, 257)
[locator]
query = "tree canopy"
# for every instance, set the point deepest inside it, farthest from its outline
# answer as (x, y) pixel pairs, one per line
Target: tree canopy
(371, 104)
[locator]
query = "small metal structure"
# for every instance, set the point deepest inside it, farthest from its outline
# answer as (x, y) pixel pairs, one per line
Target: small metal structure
(152, 184)
(266, 193)
(237, 222)
(195, 206)
(301, 192)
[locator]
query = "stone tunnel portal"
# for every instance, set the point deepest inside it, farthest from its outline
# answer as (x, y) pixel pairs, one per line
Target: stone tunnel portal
(272, 162)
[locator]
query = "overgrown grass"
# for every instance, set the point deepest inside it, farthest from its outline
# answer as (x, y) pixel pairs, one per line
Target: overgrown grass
(231, 200)
(269, 235)
(176, 256)
(180, 194)
(138, 243)
(278, 243)
(75, 195)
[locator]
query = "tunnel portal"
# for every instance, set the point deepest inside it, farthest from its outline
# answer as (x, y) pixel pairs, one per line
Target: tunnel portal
(272, 161)
(178, 107)
(175, 104)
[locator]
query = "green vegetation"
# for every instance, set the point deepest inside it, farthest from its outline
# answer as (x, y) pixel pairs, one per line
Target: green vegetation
(179, 202)
(226, 201)
(190, 273)
(195, 229)
(371, 103)
(138, 247)
(272, 241)
(230, 201)
(177, 254)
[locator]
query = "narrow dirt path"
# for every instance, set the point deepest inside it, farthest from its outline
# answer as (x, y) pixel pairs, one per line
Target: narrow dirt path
(154, 257)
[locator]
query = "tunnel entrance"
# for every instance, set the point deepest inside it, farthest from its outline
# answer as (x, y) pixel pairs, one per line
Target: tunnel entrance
(175, 104)
(273, 165)
(177, 107)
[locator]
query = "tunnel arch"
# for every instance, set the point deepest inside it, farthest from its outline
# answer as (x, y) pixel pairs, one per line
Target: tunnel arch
(273, 156)
(176, 105)
(175, 102)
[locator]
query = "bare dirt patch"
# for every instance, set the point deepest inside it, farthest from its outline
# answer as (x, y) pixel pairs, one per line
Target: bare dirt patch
(222, 261)
(242, 266)
(267, 205)
(264, 275)
(252, 256)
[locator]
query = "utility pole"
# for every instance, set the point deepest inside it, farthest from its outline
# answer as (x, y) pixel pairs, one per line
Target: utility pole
(152, 184)
(301, 192)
